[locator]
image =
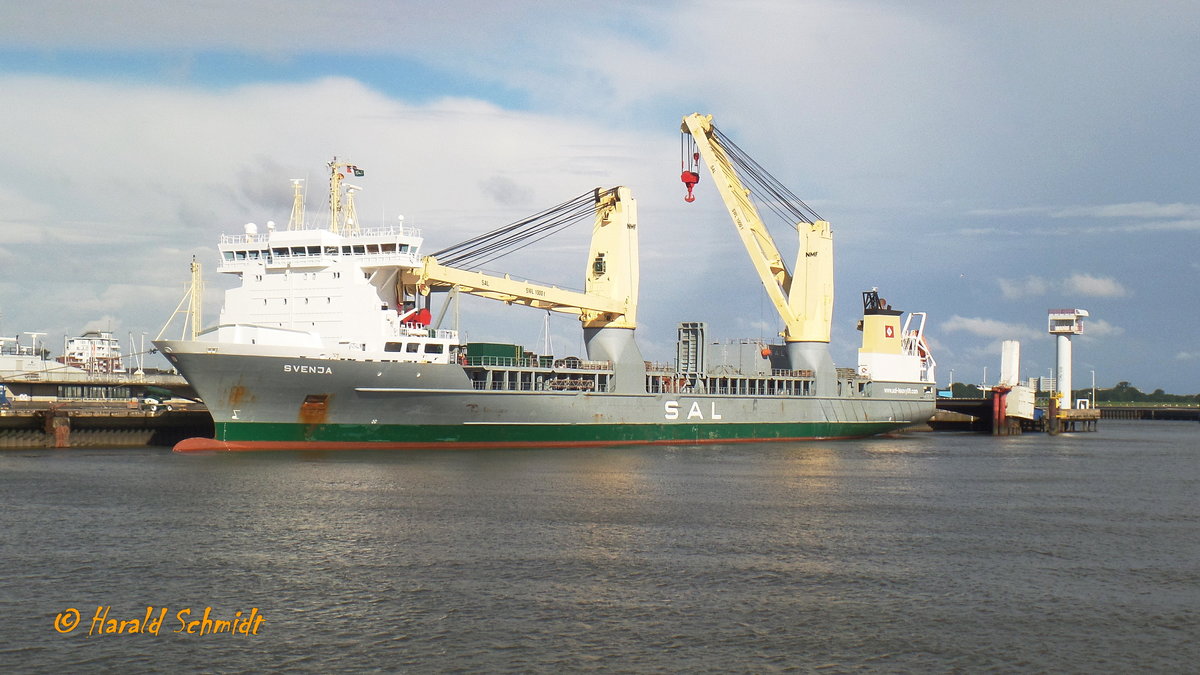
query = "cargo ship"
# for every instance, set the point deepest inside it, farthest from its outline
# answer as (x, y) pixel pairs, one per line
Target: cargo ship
(330, 342)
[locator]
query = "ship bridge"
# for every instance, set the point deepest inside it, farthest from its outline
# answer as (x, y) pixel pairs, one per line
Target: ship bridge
(397, 246)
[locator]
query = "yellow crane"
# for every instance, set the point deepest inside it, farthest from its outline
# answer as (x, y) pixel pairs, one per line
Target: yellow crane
(607, 308)
(803, 298)
(609, 299)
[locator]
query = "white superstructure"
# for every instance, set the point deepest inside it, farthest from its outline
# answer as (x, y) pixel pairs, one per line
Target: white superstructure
(889, 352)
(327, 292)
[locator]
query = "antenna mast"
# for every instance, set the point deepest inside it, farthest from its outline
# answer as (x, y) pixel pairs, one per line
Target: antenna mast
(197, 293)
(192, 299)
(297, 220)
(350, 222)
(336, 169)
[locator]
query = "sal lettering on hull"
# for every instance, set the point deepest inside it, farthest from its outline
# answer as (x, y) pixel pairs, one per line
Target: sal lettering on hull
(671, 411)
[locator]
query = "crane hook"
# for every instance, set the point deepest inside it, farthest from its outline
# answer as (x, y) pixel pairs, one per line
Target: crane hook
(690, 178)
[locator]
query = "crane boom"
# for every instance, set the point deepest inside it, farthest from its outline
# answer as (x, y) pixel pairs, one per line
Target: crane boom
(514, 291)
(803, 299)
(610, 293)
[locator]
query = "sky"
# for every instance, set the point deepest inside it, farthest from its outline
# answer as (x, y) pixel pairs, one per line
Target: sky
(980, 162)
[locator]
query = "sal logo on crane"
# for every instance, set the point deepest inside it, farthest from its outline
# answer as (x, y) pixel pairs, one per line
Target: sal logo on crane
(889, 332)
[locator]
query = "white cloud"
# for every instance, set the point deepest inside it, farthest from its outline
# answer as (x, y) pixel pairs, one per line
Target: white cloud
(135, 179)
(1187, 356)
(105, 323)
(374, 27)
(1132, 226)
(1096, 328)
(1133, 217)
(1096, 287)
(986, 232)
(1078, 283)
(988, 328)
(1014, 211)
(1132, 210)
(1030, 286)
(165, 161)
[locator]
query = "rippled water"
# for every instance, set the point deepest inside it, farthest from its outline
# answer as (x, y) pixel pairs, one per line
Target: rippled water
(923, 553)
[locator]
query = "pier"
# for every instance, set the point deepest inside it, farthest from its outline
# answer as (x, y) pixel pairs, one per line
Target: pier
(1071, 419)
(981, 415)
(55, 409)
(36, 424)
(1149, 413)
(989, 414)
(978, 414)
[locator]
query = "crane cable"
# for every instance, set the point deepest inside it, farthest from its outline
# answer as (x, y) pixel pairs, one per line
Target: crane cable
(776, 196)
(490, 246)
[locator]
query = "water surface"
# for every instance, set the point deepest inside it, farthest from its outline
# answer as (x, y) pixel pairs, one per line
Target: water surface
(924, 552)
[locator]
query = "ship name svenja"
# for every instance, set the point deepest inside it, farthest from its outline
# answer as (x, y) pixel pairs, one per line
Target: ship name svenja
(319, 370)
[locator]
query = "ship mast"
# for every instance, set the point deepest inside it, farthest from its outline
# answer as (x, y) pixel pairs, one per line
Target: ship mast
(193, 298)
(336, 169)
(297, 220)
(197, 293)
(350, 222)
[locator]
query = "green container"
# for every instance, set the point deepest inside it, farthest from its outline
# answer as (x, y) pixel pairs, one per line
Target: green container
(494, 350)
(493, 354)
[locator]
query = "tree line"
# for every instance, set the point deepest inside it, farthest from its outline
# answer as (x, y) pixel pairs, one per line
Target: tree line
(1127, 393)
(1124, 392)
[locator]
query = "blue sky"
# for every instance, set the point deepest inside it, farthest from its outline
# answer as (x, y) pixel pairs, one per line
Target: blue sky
(982, 162)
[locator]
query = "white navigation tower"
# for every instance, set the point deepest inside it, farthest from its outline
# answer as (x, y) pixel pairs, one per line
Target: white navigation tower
(1065, 323)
